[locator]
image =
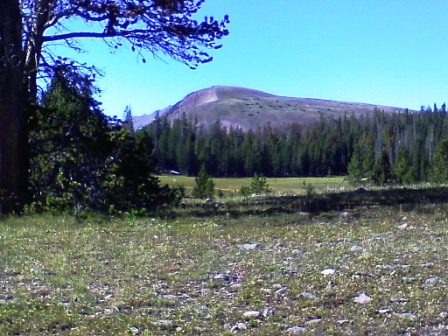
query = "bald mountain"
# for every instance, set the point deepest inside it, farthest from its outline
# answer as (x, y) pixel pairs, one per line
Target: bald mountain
(244, 108)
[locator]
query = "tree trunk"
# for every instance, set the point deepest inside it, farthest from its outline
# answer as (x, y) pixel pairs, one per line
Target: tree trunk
(13, 135)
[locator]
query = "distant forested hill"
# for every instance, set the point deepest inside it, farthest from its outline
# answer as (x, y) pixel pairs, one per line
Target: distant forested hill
(382, 146)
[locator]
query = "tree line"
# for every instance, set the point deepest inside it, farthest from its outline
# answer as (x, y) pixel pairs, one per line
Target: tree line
(379, 147)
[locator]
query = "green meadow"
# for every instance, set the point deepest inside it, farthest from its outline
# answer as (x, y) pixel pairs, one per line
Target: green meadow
(337, 261)
(293, 185)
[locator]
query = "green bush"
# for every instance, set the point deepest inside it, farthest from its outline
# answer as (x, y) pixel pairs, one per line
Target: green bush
(259, 184)
(204, 186)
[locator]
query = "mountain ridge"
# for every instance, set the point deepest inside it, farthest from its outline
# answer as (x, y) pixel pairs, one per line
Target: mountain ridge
(249, 109)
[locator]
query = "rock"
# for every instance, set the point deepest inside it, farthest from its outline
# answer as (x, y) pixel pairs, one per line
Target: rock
(328, 271)
(251, 314)
(356, 248)
(384, 311)
(427, 265)
(248, 246)
(240, 326)
(267, 312)
(314, 321)
(295, 330)
(165, 323)
(134, 330)
(431, 280)
(408, 316)
(296, 252)
(403, 226)
(341, 322)
(308, 296)
(362, 298)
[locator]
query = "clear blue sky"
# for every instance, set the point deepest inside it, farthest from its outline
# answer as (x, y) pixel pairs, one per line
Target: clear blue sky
(384, 52)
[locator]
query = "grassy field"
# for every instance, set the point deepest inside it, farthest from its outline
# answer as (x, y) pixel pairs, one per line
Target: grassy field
(365, 267)
(293, 185)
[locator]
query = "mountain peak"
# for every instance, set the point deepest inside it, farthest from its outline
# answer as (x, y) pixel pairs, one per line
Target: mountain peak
(245, 108)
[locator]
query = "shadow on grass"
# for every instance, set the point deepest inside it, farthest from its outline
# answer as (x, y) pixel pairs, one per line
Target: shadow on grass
(319, 203)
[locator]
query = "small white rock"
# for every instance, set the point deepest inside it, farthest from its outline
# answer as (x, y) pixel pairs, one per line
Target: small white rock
(431, 280)
(341, 322)
(314, 321)
(309, 296)
(134, 330)
(251, 314)
(239, 327)
(403, 226)
(248, 246)
(384, 310)
(328, 271)
(356, 248)
(408, 316)
(362, 298)
(295, 330)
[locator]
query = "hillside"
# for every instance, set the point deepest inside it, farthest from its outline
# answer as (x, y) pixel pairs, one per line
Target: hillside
(248, 109)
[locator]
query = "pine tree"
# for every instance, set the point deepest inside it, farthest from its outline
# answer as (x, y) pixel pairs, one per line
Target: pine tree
(355, 167)
(438, 171)
(204, 185)
(402, 169)
(259, 184)
(128, 120)
(381, 170)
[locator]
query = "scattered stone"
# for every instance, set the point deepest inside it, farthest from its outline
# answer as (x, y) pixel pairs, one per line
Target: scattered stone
(408, 316)
(251, 314)
(267, 312)
(295, 330)
(296, 252)
(280, 291)
(358, 275)
(276, 286)
(165, 323)
(356, 248)
(384, 311)
(329, 285)
(403, 226)
(308, 296)
(240, 326)
(432, 280)
(314, 321)
(362, 298)
(341, 322)
(134, 330)
(248, 246)
(328, 271)
(427, 265)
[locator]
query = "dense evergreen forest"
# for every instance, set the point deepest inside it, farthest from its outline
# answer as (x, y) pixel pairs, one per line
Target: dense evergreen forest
(383, 148)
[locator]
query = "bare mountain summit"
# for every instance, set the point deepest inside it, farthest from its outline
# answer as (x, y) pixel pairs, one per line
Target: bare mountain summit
(244, 108)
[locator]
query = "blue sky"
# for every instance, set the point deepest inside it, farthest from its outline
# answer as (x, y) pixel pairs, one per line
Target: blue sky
(382, 52)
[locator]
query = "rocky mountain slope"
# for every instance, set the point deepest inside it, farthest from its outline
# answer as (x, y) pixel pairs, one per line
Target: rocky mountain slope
(249, 109)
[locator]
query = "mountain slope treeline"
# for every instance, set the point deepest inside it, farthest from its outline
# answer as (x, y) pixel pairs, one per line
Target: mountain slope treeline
(380, 146)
